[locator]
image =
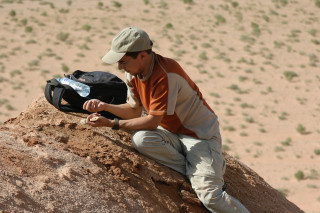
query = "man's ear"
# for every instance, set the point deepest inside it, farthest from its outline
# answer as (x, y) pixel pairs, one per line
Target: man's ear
(142, 55)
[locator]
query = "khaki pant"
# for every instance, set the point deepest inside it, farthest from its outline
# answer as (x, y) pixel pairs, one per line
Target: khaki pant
(200, 160)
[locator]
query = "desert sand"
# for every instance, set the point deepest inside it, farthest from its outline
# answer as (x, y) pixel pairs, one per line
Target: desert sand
(256, 63)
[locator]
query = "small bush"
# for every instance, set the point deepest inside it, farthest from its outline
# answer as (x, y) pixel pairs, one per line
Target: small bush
(62, 10)
(33, 63)
(313, 32)
(15, 72)
(203, 56)
(283, 2)
(65, 68)
(86, 27)
(299, 175)
(12, 13)
(24, 21)
(117, 4)
(284, 192)
(220, 19)
(9, 107)
(290, 75)
(229, 128)
(188, 1)
(62, 36)
(28, 29)
(287, 142)
(301, 129)
(169, 26)
(255, 29)
(100, 4)
(234, 4)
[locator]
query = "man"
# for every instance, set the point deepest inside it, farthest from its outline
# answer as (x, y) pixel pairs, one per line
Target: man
(180, 130)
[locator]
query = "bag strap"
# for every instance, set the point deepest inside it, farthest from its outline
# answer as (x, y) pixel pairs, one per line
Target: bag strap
(54, 92)
(49, 88)
(56, 101)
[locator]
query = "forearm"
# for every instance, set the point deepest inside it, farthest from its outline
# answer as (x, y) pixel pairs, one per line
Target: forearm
(146, 122)
(149, 122)
(124, 111)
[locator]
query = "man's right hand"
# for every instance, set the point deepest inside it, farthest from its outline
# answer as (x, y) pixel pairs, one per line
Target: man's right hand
(94, 105)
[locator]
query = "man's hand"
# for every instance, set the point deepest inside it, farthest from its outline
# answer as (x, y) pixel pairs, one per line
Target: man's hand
(94, 105)
(96, 120)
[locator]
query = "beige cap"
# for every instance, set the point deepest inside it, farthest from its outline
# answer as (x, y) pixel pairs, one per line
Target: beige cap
(130, 39)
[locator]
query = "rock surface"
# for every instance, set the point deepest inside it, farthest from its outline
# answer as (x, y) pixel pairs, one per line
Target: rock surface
(49, 162)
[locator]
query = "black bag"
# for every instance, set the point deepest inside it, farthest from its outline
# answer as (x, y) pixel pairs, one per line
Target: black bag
(103, 86)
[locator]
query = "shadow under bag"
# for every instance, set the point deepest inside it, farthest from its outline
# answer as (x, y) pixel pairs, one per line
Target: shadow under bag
(103, 86)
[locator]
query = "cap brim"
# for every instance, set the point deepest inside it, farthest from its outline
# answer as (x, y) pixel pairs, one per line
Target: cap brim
(112, 57)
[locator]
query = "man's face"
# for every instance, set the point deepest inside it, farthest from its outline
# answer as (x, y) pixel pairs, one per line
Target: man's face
(130, 65)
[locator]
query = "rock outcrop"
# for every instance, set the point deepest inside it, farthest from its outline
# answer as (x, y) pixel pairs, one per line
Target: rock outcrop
(49, 162)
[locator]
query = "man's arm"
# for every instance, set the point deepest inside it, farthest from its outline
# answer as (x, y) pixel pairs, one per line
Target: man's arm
(149, 122)
(124, 111)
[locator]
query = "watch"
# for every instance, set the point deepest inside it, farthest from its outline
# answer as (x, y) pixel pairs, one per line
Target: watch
(116, 124)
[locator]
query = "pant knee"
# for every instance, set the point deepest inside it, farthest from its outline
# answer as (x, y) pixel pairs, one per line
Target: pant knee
(137, 139)
(144, 139)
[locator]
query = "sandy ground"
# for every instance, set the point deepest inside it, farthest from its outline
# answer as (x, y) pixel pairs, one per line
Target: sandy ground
(256, 63)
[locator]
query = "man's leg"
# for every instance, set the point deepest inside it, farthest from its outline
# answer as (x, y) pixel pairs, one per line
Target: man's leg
(162, 146)
(205, 167)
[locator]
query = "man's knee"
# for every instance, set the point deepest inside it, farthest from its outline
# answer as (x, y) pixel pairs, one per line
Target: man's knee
(137, 139)
(145, 139)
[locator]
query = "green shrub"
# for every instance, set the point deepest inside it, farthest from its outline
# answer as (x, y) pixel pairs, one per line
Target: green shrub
(299, 175)
(65, 68)
(169, 26)
(9, 107)
(290, 75)
(15, 72)
(117, 4)
(62, 36)
(100, 4)
(28, 29)
(86, 27)
(255, 29)
(283, 2)
(234, 4)
(284, 192)
(313, 32)
(220, 19)
(203, 56)
(301, 129)
(287, 142)
(62, 10)
(24, 21)
(12, 13)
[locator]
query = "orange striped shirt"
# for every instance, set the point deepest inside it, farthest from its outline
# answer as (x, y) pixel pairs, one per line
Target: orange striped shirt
(167, 90)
